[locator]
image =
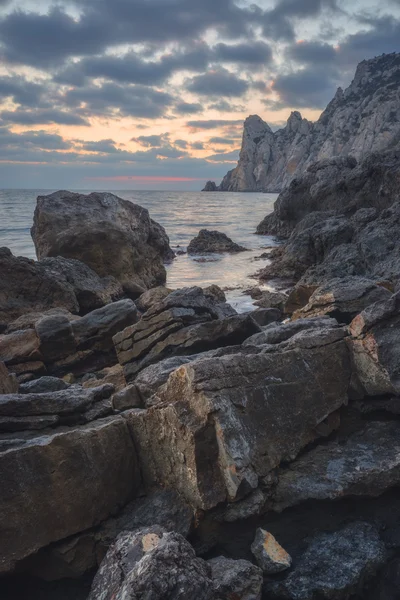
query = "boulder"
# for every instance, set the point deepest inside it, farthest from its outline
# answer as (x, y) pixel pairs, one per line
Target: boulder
(269, 554)
(343, 299)
(210, 186)
(269, 299)
(151, 297)
(91, 291)
(335, 566)
(152, 563)
(224, 423)
(43, 385)
(185, 322)
(235, 579)
(20, 281)
(8, 381)
(61, 483)
(366, 464)
(276, 333)
(266, 316)
(114, 237)
(212, 241)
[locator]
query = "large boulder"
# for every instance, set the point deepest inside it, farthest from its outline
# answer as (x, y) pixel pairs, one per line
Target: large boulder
(26, 286)
(185, 322)
(367, 464)
(213, 241)
(235, 579)
(335, 566)
(222, 424)
(152, 563)
(62, 482)
(114, 237)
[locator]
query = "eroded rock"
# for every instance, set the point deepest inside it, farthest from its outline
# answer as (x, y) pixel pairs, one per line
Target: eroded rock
(213, 241)
(269, 554)
(238, 579)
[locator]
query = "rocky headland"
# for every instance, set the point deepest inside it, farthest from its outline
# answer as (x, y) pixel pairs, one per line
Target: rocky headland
(155, 444)
(362, 119)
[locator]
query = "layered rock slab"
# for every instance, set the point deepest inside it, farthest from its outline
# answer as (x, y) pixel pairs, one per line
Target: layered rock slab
(112, 236)
(222, 424)
(61, 483)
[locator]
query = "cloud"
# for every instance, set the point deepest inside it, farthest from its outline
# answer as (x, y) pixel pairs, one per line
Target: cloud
(188, 108)
(221, 140)
(102, 146)
(278, 22)
(255, 53)
(152, 141)
(311, 88)
(33, 139)
(219, 82)
(231, 157)
(213, 124)
(313, 53)
(21, 91)
(42, 117)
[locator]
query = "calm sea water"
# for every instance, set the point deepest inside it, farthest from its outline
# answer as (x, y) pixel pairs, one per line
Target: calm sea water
(182, 214)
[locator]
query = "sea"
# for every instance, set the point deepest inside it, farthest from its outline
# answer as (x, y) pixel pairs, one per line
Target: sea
(182, 214)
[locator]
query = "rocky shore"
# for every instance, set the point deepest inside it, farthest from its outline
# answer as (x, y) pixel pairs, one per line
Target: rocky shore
(156, 444)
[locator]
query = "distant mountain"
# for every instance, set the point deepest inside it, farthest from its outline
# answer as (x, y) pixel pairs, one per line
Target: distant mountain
(362, 119)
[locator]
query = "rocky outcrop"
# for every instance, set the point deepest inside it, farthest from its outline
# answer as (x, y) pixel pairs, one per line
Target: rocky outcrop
(185, 322)
(362, 119)
(149, 563)
(213, 241)
(114, 237)
(321, 571)
(210, 186)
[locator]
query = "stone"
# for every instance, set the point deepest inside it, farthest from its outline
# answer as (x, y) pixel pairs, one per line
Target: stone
(223, 423)
(9, 424)
(20, 346)
(91, 291)
(151, 297)
(366, 464)
(127, 398)
(215, 292)
(20, 280)
(266, 316)
(235, 579)
(250, 506)
(276, 333)
(62, 483)
(359, 120)
(152, 563)
(343, 299)
(271, 300)
(29, 320)
(43, 385)
(212, 241)
(210, 186)
(113, 375)
(269, 554)
(114, 237)
(8, 381)
(335, 566)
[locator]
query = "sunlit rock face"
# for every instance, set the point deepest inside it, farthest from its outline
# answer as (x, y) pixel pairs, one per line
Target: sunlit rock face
(362, 119)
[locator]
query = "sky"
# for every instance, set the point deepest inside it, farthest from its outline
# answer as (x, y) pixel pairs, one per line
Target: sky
(152, 94)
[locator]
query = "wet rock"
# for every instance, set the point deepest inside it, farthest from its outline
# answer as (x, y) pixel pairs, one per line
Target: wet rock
(61, 483)
(215, 293)
(225, 422)
(343, 299)
(186, 322)
(238, 579)
(112, 236)
(151, 562)
(212, 241)
(8, 381)
(91, 291)
(20, 280)
(269, 554)
(151, 297)
(43, 385)
(367, 464)
(335, 566)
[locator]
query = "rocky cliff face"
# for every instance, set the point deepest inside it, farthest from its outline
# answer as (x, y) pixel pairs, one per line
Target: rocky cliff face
(362, 119)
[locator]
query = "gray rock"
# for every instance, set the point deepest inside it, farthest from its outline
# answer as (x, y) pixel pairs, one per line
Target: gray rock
(151, 297)
(62, 483)
(367, 464)
(250, 506)
(210, 186)
(358, 121)
(335, 566)
(212, 241)
(151, 563)
(235, 579)
(127, 398)
(91, 291)
(8, 381)
(223, 423)
(112, 236)
(269, 554)
(281, 332)
(266, 316)
(43, 385)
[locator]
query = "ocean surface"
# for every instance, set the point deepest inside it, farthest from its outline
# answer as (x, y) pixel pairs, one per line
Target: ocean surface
(182, 214)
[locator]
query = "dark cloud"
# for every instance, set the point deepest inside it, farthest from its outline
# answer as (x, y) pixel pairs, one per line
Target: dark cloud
(197, 146)
(225, 106)
(313, 53)
(152, 141)
(102, 146)
(116, 100)
(219, 82)
(225, 156)
(256, 53)
(21, 91)
(188, 108)
(33, 139)
(278, 22)
(181, 144)
(42, 117)
(311, 88)
(221, 140)
(381, 36)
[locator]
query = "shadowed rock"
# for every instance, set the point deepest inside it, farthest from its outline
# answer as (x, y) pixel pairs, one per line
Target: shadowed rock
(213, 241)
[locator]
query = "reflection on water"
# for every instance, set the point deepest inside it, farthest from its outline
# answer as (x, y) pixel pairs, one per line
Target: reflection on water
(182, 214)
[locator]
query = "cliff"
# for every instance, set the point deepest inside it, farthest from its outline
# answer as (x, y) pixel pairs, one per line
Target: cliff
(362, 119)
